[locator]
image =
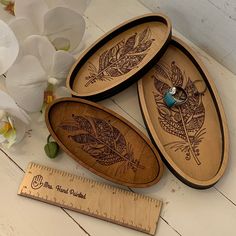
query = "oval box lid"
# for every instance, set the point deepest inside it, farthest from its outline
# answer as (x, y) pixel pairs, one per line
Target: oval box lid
(104, 142)
(192, 137)
(120, 57)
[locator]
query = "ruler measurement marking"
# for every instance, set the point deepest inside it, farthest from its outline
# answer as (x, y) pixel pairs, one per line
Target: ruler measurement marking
(89, 197)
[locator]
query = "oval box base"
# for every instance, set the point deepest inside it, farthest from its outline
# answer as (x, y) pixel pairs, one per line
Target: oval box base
(192, 137)
(104, 142)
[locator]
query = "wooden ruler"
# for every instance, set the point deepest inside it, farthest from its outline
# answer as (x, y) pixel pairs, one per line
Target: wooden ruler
(92, 198)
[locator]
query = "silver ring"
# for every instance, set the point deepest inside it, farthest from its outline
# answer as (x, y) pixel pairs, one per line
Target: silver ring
(175, 96)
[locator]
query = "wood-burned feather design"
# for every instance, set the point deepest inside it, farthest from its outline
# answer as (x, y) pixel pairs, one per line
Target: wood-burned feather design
(185, 121)
(102, 141)
(121, 58)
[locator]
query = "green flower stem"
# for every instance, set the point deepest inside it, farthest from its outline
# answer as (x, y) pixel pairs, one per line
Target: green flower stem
(49, 136)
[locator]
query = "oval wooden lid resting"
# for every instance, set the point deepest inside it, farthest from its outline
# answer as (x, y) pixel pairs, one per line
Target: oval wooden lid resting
(193, 137)
(120, 57)
(104, 142)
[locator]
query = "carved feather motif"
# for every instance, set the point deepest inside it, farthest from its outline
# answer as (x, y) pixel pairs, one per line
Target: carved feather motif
(121, 58)
(185, 121)
(102, 141)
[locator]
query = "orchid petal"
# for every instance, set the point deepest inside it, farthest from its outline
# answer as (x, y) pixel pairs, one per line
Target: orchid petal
(34, 10)
(10, 137)
(61, 44)
(20, 129)
(41, 48)
(14, 135)
(9, 47)
(8, 105)
(62, 63)
(68, 25)
(26, 82)
(22, 27)
(76, 5)
(18, 117)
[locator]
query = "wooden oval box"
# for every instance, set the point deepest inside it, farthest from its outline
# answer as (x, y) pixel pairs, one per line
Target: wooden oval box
(120, 57)
(104, 142)
(192, 137)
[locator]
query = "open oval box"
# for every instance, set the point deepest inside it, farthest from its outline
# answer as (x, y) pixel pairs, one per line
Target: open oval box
(104, 142)
(120, 57)
(192, 137)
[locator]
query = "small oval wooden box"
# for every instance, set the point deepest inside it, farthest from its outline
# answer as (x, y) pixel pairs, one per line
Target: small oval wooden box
(192, 137)
(104, 142)
(120, 57)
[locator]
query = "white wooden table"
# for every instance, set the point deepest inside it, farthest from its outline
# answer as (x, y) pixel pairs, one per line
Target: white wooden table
(185, 211)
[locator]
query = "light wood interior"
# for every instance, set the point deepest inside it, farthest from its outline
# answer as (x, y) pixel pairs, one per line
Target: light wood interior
(159, 33)
(210, 148)
(147, 172)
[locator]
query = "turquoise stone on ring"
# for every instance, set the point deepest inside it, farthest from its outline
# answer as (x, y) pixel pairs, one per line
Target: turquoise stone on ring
(175, 96)
(169, 99)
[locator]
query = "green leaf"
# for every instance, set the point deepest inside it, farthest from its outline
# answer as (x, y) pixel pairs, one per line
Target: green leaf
(51, 149)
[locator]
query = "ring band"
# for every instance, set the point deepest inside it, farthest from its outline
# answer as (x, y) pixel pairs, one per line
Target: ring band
(175, 96)
(196, 90)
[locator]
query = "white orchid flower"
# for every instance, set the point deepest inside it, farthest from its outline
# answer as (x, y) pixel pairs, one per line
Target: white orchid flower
(59, 20)
(13, 121)
(77, 5)
(37, 69)
(9, 47)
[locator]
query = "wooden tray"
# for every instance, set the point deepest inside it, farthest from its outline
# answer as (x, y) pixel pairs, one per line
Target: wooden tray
(193, 137)
(104, 142)
(120, 57)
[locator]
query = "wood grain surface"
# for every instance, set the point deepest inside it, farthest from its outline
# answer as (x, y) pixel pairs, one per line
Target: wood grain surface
(192, 137)
(86, 196)
(119, 57)
(104, 142)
